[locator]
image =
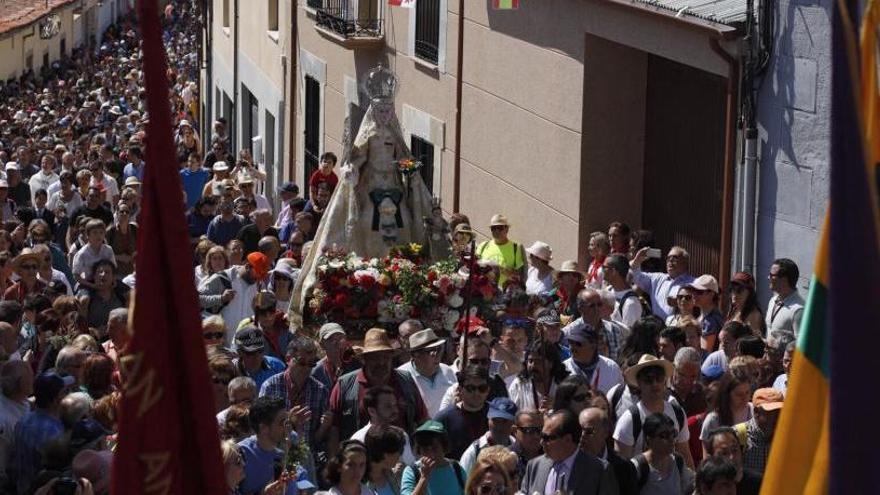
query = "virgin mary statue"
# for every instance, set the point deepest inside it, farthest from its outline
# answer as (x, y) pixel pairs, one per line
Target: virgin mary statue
(375, 206)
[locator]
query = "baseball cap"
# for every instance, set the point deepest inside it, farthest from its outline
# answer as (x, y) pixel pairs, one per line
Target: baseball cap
(330, 329)
(249, 339)
(549, 317)
(289, 187)
(582, 333)
(705, 282)
(712, 372)
(768, 399)
(48, 385)
(743, 278)
(503, 408)
(431, 426)
(220, 166)
(11, 166)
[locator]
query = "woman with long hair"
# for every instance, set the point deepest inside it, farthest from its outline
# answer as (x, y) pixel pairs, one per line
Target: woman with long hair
(346, 470)
(574, 394)
(122, 237)
(685, 306)
(744, 303)
(215, 260)
(233, 465)
(643, 338)
(731, 403)
(533, 389)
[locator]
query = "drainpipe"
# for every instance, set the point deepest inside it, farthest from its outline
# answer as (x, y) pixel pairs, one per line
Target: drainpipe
(208, 87)
(234, 135)
(456, 183)
(731, 115)
(749, 194)
(292, 61)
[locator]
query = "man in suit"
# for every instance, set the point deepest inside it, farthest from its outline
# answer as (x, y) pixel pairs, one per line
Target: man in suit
(597, 427)
(564, 468)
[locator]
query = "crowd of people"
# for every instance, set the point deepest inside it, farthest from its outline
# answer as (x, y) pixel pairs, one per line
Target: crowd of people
(630, 375)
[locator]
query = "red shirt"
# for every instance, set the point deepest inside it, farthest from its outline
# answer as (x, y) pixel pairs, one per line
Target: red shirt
(318, 178)
(364, 417)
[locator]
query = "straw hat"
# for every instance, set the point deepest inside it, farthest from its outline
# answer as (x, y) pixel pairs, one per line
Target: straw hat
(463, 228)
(540, 250)
(569, 266)
(376, 340)
(499, 220)
(424, 339)
(647, 361)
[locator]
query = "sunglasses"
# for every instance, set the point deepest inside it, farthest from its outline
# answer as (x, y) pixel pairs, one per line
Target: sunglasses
(549, 438)
(487, 489)
(651, 378)
(476, 388)
(497, 228)
(594, 305)
(685, 297)
(424, 352)
(588, 431)
(213, 335)
(529, 430)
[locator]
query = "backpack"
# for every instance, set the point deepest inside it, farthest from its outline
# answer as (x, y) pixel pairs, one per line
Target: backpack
(617, 395)
(680, 419)
(646, 307)
(459, 473)
(644, 470)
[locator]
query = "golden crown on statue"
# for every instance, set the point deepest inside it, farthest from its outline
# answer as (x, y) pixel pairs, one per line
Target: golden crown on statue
(380, 84)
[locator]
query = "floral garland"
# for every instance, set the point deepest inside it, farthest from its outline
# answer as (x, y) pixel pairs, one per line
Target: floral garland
(399, 286)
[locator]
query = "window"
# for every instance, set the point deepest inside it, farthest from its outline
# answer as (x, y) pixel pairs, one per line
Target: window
(315, 4)
(45, 61)
(427, 30)
(226, 13)
(423, 151)
(273, 15)
(63, 48)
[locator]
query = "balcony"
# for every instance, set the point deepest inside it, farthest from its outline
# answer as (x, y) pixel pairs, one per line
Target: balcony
(349, 23)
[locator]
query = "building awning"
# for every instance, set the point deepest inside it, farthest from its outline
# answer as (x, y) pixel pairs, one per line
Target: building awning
(729, 12)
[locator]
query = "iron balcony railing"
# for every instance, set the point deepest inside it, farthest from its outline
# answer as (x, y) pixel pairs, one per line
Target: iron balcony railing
(341, 17)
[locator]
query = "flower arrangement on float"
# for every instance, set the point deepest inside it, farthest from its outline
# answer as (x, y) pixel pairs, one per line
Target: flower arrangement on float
(401, 285)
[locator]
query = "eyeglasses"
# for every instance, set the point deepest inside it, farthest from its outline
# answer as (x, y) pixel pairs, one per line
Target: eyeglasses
(685, 297)
(588, 431)
(498, 489)
(529, 430)
(476, 388)
(594, 305)
(673, 257)
(426, 352)
(213, 335)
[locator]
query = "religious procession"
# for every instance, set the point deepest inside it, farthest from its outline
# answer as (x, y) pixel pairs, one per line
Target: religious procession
(394, 263)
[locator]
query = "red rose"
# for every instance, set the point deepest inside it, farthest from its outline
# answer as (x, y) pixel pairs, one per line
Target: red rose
(432, 275)
(340, 300)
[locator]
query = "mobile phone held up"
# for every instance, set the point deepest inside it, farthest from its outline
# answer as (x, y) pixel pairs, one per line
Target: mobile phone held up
(654, 253)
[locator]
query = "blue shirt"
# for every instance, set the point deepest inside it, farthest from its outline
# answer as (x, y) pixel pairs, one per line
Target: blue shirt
(259, 467)
(32, 433)
(271, 366)
(443, 480)
(220, 232)
(131, 170)
(661, 287)
(193, 184)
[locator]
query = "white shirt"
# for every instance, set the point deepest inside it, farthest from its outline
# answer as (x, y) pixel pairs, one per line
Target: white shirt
(631, 312)
(627, 399)
(538, 286)
(41, 181)
(58, 276)
(787, 317)
(607, 373)
(522, 393)
(407, 458)
(239, 307)
(86, 257)
(110, 186)
(623, 432)
(469, 458)
(432, 389)
(55, 200)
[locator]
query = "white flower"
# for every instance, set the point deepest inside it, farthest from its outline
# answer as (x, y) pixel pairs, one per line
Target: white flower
(454, 301)
(450, 319)
(336, 264)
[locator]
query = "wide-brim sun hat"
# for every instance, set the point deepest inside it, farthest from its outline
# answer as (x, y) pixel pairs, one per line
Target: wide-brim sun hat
(540, 250)
(647, 361)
